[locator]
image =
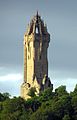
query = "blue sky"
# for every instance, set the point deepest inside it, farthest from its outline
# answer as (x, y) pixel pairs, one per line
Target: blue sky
(61, 19)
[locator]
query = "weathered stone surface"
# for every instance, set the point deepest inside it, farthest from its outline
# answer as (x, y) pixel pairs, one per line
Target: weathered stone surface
(36, 42)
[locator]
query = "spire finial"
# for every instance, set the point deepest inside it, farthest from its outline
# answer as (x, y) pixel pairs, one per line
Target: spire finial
(37, 15)
(37, 12)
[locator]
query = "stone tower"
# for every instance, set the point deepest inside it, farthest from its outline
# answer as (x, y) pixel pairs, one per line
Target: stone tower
(36, 42)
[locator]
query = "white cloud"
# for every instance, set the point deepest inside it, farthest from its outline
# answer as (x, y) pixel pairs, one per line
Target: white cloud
(66, 78)
(68, 82)
(8, 77)
(11, 83)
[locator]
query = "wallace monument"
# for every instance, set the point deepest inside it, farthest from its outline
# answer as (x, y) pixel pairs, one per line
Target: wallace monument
(36, 42)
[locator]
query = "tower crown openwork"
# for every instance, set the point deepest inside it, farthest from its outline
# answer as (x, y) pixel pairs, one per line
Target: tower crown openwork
(37, 26)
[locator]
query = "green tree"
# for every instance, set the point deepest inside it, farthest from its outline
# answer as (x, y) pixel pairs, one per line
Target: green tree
(66, 117)
(46, 94)
(33, 103)
(62, 106)
(74, 105)
(1, 97)
(75, 90)
(74, 93)
(44, 114)
(49, 105)
(60, 91)
(4, 96)
(12, 109)
(32, 92)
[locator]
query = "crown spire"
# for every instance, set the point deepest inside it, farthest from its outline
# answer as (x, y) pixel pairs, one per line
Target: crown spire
(37, 13)
(37, 24)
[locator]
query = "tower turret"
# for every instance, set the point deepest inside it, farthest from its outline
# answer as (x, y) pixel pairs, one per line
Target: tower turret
(36, 42)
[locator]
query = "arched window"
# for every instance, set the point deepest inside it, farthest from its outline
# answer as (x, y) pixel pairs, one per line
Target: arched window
(37, 31)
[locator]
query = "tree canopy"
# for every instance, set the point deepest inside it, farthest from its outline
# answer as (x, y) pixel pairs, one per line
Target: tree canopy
(49, 105)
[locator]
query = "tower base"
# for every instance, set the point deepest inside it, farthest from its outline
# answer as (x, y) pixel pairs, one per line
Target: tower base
(25, 87)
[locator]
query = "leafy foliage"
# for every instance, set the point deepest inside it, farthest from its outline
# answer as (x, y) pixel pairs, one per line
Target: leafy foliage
(32, 92)
(4, 96)
(49, 105)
